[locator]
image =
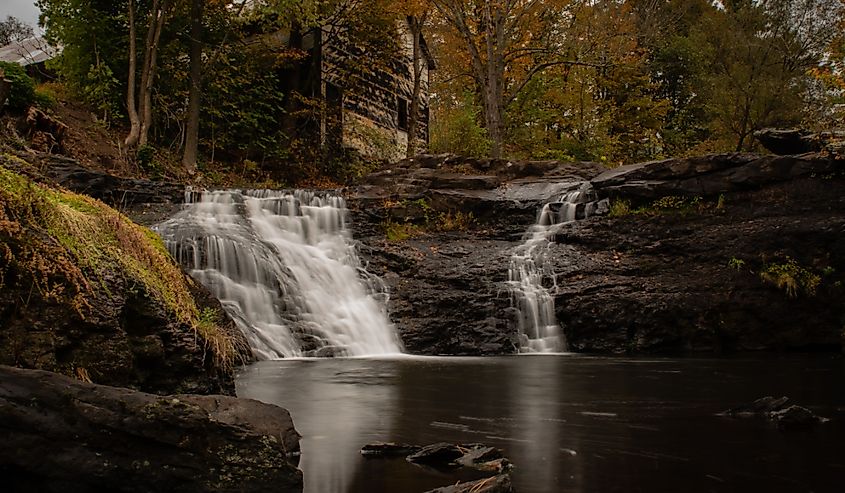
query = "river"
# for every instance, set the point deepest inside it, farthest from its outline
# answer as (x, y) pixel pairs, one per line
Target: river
(568, 423)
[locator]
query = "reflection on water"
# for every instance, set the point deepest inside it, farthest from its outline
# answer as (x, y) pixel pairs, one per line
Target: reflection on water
(569, 423)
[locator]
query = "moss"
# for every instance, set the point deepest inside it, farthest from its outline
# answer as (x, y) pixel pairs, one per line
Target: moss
(67, 244)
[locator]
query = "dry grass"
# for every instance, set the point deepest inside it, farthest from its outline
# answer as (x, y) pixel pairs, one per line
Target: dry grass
(67, 244)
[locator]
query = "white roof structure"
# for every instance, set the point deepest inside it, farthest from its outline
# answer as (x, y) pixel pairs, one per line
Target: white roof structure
(29, 51)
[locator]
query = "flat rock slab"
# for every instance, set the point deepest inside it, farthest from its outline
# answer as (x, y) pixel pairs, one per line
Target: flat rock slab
(63, 435)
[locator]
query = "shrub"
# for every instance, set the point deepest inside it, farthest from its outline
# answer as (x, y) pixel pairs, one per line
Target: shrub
(45, 98)
(456, 130)
(791, 277)
(619, 207)
(23, 87)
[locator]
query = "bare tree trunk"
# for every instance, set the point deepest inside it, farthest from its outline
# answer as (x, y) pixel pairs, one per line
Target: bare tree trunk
(134, 121)
(189, 158)
(494, 79)
(416, 26)
(293, 86)
(157, 22)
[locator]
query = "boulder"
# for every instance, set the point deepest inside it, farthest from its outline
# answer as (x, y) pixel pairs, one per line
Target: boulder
(798, 141)
(496, 484)
(788, 141)
(64, 435)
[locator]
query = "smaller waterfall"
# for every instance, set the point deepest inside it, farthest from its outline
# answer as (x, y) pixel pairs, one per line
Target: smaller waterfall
(529, 267)
(283, 266)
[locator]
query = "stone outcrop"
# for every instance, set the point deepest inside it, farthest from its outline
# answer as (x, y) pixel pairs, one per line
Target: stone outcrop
(63, 435)
(798, 141)
(95, 297)
(685, 273)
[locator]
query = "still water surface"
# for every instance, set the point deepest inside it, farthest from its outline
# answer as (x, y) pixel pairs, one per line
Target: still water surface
(568, 423)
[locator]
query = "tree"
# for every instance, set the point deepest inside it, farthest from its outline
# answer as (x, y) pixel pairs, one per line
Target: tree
(189, 157)
(762, 53)
(417, 13)
(14, 30)
(141, 119)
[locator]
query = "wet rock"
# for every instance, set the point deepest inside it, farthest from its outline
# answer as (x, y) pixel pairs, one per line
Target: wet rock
(658, 281)
(126, 335)
(795, 418)
(63, 435)
(437, 455)
(389, 449)
(496, 484)
(761, 407)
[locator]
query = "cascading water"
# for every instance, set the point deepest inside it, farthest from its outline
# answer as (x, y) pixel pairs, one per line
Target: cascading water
(537, 323)
(283, 266)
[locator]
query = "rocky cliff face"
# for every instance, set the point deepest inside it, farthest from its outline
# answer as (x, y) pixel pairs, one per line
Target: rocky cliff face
(716, 253)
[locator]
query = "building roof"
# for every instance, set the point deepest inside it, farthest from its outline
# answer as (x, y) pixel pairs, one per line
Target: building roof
(28, 51)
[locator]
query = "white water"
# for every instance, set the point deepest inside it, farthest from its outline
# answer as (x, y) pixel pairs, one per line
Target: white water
(529, 267)
(284, 267)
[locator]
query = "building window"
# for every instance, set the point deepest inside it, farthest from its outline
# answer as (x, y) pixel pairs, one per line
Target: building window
(403, 114)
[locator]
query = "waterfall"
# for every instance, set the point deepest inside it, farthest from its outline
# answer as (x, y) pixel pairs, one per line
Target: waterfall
(284, 267)
(539, 331)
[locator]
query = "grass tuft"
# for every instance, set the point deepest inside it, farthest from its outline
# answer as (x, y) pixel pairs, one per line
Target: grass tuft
(68, 244)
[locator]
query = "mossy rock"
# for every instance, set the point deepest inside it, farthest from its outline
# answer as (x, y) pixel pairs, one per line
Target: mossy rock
(88, 293)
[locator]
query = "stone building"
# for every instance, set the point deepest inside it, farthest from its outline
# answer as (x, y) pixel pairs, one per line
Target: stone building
(366, 108)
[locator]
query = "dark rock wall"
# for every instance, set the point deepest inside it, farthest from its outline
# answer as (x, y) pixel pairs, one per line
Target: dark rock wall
(653, 281)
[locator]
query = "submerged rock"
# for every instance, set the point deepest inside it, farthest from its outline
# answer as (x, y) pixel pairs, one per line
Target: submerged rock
(787, 417)
(437, 455)
(761, 407)
(796, 417)
(496, 484)
(389, 449)
(66, 436)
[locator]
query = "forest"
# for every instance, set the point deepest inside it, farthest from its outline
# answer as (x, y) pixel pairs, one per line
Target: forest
(615, 81)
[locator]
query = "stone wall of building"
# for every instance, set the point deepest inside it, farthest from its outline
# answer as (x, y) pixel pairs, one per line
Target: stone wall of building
(376, 100)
